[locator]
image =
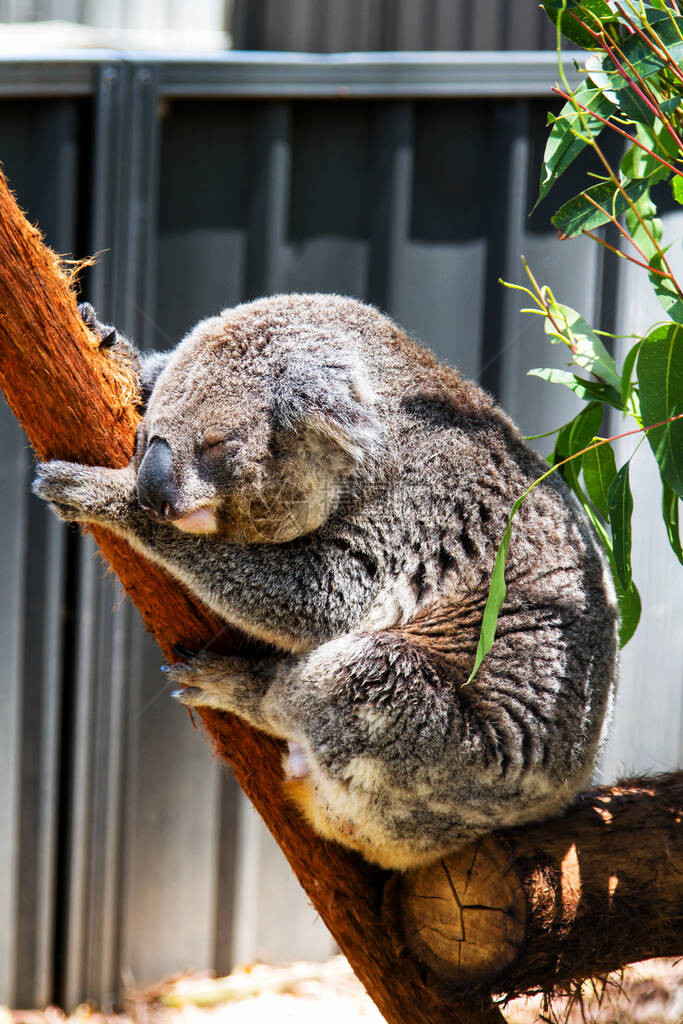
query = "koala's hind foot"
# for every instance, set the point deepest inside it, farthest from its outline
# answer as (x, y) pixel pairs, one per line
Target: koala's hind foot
(224, 682)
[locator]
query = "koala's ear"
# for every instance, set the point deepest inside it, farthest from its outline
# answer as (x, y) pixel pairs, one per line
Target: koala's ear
(333, 398)
(150, 369)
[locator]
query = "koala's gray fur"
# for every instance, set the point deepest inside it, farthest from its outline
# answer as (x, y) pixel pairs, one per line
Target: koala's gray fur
(352, 494)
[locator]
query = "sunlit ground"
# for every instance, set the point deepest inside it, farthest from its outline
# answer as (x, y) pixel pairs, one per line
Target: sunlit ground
(651, 993)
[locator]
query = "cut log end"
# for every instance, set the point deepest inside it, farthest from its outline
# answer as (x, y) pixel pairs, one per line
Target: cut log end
(542, 906)
(465, 915)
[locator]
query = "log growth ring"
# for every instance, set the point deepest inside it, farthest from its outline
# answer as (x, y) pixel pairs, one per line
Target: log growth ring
(465, 915)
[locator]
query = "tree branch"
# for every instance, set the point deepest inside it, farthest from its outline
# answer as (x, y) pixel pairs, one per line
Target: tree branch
(74, 404)
(541, 906)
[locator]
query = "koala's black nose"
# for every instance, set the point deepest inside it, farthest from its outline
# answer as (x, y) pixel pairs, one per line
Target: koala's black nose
(156, 489)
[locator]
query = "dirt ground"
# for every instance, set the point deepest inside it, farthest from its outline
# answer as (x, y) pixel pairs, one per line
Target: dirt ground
(304, 993)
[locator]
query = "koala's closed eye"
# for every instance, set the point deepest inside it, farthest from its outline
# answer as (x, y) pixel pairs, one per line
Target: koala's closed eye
(213, 443)
(219, 444)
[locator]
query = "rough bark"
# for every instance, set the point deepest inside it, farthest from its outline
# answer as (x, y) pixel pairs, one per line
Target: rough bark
(74, 405)
(546, 904)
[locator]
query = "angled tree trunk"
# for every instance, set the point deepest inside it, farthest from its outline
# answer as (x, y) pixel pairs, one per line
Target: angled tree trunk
(74, 404)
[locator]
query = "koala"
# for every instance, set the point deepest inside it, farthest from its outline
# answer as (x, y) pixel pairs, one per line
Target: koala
(321, 482)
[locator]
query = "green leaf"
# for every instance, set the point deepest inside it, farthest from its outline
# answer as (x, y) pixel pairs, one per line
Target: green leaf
(637, 163)
(666, 291)
(588, 390)
(642, 58)
(619, 91)
(573, 438)
(589, 351)
(620, 507)
(627, 373)
(599, 471)
(670, 516)
(644, 225)
(677, 189)
(660, 380)
(581, 214)
(584, 9)
(628, 600)
(497, 592)
(570, 133)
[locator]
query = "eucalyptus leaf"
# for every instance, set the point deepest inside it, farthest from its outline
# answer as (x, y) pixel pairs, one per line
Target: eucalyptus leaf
(588, 350)
(497, 592)
(671, 519)
(644, 226)
(627, 372)
(588, 390)
(582, 214)
(599, 471)
(606, 77)
(583, 9)
(660, 380)
(620, 508)
(666, 291)
(677, 189)
(641, 57)
(570, 134)
(637, 163)
(573, 438)
(628, 601)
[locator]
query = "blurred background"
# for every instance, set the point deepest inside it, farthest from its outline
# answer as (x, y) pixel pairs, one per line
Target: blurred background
(212, 152)
(321, 26)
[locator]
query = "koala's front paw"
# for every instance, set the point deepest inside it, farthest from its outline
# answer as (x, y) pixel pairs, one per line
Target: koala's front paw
(79, 493)
(63, 486)
(110, 340)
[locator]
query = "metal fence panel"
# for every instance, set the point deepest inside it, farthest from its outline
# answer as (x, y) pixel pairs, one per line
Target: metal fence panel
(648, 721)
(34, 137)
(123, 846)
(328, 26)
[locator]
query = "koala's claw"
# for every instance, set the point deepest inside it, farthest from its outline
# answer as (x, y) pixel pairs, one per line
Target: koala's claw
(191, 696)
(87, 313)
(184, 653)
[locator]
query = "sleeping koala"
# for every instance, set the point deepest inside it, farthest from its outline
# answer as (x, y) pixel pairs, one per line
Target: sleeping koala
(320, 481)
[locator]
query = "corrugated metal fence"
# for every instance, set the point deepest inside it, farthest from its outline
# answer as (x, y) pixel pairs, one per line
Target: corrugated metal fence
(327, 26)
(406, 181)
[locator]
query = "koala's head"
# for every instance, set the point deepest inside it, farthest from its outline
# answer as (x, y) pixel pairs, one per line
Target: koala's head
(253, 431)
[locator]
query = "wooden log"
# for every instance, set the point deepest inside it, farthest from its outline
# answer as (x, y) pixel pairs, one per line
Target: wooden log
(75, 404)
(546, 904)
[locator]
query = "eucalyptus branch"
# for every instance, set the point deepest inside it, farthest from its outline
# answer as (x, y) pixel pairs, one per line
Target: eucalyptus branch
(620, 131)
(625, 256)
(598, 444)
(569, 92)
(613, 220)
(643, 91)
(540, 295)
